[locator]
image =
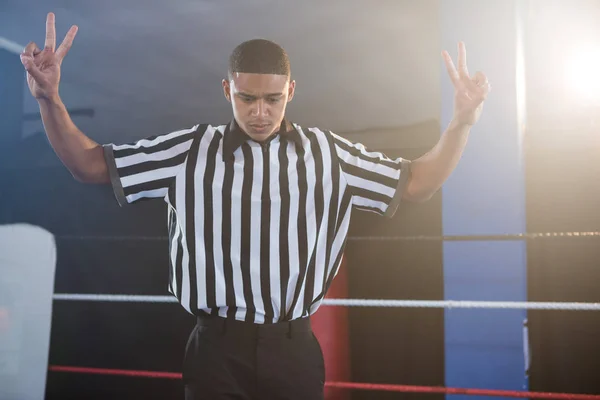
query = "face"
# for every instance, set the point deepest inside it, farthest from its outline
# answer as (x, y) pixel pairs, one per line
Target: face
(258, 102)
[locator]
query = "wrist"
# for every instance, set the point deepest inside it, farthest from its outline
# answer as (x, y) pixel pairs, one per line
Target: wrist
(50, 101)
(459, 126)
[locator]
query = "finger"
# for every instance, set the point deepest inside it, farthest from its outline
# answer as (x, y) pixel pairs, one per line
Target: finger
(31, 50)
(462, 61)
(454, 77)
(478, 83)
(66, 44)
(482, 94)
(50, 33)
(475, 84)
(480, 79)
(485, 90)
(31, 68)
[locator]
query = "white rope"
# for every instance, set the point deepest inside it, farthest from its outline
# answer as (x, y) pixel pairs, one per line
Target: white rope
(514, 305)
(125, 298)
(489, 237)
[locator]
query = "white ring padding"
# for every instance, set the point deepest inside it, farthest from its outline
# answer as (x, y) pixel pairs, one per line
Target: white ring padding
(449, 304)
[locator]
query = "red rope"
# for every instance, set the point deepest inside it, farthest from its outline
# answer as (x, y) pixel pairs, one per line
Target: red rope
(352, 385)
(473, 392)
(121, 372)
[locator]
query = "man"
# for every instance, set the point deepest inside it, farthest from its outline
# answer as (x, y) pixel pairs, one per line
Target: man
(258, 212)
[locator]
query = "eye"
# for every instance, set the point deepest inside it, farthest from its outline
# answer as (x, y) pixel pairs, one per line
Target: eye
(273, 99)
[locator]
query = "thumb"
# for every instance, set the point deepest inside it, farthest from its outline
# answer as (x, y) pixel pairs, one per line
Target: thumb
(31, 68)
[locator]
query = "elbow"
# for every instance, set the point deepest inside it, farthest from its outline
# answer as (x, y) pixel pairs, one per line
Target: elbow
(79, 177)
(422, 197)
(422, 185)
(415, 194)
(83, 176)
(91, 174)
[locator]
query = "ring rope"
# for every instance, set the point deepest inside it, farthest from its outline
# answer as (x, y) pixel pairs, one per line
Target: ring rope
(349, 385)
(517, 236)
(464, 238)
(449, 304)
(125, 298)
(464, 391)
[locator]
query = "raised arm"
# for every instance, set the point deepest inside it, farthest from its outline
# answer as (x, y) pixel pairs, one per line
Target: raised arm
(82, 156)
(430, 171)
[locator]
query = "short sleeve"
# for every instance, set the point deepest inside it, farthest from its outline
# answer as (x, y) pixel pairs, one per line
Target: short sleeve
(146, 168)
(376, 182)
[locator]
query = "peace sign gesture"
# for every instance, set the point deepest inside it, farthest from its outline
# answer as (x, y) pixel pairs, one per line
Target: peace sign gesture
(43, 66)
(469, 92)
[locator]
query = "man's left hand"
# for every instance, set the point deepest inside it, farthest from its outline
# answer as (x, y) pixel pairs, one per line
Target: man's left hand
(469, 92)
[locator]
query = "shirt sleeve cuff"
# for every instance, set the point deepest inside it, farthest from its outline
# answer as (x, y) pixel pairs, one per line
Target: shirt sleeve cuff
(397, 199)
(109, 157)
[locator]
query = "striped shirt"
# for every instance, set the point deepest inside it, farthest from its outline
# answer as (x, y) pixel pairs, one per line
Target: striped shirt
(256, 230)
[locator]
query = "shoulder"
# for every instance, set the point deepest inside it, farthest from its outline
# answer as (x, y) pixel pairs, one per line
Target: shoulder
(206, 131)
(320, 132)
(206, 128)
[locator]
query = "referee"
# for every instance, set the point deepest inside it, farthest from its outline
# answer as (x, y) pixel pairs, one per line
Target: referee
(258, 212)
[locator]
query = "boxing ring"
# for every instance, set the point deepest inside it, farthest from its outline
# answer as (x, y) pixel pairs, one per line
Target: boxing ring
(368, 303)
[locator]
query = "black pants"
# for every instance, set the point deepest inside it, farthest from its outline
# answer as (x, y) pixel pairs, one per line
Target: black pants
(228, 359)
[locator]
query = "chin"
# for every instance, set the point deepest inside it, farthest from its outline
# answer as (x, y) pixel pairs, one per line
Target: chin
(260, 134)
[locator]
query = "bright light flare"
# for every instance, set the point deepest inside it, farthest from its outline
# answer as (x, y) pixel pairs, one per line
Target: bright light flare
(583, 73)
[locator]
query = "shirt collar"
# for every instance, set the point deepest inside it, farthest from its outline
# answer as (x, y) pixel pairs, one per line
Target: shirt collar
(234, 136)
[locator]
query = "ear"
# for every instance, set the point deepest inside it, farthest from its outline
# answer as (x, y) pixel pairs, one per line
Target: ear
(291, 90)
(227, 89)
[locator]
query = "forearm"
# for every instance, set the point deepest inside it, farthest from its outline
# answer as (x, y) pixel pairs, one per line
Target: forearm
(82, 156)
(430, 171)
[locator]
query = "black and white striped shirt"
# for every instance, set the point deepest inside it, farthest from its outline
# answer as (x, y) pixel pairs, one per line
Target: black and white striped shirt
(256, 230)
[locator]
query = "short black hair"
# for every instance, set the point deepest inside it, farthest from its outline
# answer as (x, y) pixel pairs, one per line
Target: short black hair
(259, 56)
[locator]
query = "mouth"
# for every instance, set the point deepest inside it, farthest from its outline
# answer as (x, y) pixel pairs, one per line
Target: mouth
(259, 127)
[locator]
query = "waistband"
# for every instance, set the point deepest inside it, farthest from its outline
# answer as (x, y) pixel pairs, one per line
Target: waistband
(233, 326)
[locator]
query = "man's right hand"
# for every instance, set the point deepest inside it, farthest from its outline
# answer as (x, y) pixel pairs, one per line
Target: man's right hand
(83, 157)
(43, 66)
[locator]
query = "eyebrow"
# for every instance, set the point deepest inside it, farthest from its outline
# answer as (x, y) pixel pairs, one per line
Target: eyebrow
(254, 96)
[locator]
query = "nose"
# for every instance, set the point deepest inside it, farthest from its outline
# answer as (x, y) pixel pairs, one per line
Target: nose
(260, 108)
